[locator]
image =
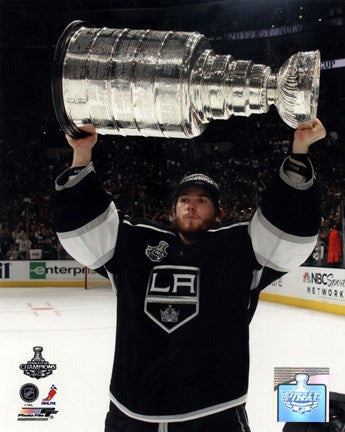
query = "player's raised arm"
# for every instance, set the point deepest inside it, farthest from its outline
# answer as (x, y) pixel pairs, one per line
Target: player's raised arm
(82, 148)
(284, 229)
(86, 219)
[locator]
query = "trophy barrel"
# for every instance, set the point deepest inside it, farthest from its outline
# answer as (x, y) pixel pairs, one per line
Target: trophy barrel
(56, 82)
(126, 82)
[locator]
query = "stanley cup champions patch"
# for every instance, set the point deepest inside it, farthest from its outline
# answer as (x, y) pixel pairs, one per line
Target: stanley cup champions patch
(157, 253)
(172, 296)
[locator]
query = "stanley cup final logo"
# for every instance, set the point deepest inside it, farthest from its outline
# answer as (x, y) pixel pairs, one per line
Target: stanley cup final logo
(37, 367)
(301, 399)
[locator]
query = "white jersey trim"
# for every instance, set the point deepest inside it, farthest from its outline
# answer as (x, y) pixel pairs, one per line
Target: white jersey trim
(279, 233)
(112, 280)
(275, 249)
(169, 232)
(291, 180)
(228, 227)
(180, 417)
(94, 244)
(73, 180)
(148, 226)
(111, 209)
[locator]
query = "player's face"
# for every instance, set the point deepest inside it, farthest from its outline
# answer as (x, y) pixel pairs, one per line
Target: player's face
(194, 213)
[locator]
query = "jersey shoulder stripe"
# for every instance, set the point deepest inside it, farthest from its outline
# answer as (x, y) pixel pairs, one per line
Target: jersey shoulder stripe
(144, 223)
(226, 227)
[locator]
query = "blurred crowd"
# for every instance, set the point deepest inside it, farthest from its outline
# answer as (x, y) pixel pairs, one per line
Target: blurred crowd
(141, 175)
(241, 154)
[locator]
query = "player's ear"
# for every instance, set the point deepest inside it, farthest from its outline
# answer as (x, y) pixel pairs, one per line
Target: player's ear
(219, 214)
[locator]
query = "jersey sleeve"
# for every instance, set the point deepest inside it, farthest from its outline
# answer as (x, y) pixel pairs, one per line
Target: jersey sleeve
(86, 219)
(284, 229)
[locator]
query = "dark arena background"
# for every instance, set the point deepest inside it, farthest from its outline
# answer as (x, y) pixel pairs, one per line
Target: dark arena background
(242, 154)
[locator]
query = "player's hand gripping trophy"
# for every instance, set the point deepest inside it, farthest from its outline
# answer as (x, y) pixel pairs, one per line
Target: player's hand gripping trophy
(169, 84)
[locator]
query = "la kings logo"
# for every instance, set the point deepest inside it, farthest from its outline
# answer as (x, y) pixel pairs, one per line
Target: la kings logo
(172, 296)
(157, 253)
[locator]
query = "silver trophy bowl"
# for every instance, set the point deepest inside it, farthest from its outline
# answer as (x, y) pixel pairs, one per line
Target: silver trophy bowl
(169, 84)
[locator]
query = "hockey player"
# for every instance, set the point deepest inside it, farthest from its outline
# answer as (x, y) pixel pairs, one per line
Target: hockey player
(186, 295)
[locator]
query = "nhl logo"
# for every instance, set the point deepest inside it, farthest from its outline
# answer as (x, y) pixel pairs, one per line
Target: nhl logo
(29, 392)
(157, 253)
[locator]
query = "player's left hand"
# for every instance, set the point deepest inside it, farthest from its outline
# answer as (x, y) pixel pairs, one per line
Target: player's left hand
(306, 135)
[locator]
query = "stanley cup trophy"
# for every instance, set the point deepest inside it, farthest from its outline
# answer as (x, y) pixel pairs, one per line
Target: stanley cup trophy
(169, 84)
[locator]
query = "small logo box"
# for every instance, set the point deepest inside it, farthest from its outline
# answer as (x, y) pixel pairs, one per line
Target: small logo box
(302, 394)
(38, 270)
(37, 367)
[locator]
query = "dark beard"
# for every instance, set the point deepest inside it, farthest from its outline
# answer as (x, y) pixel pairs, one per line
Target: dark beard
(194, 236)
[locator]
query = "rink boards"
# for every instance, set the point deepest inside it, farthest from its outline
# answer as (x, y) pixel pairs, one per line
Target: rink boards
(315, 288)
(67, 273)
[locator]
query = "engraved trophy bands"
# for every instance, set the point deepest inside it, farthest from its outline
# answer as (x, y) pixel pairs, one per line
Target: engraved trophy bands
(169, 84)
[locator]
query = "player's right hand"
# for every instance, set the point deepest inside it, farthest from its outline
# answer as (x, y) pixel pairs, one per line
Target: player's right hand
(83, 143)
(82, 154)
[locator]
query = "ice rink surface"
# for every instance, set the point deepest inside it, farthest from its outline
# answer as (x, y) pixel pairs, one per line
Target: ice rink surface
(76, 329)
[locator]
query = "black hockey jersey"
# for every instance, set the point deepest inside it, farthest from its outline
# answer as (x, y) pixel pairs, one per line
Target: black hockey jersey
(183, 311)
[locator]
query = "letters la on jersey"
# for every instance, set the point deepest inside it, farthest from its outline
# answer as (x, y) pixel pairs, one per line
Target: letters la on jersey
(172, 295)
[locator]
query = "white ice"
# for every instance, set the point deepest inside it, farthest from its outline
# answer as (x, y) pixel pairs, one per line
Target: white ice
(76, 329)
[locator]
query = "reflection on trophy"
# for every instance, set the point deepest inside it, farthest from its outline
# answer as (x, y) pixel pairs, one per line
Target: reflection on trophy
(169, 84)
